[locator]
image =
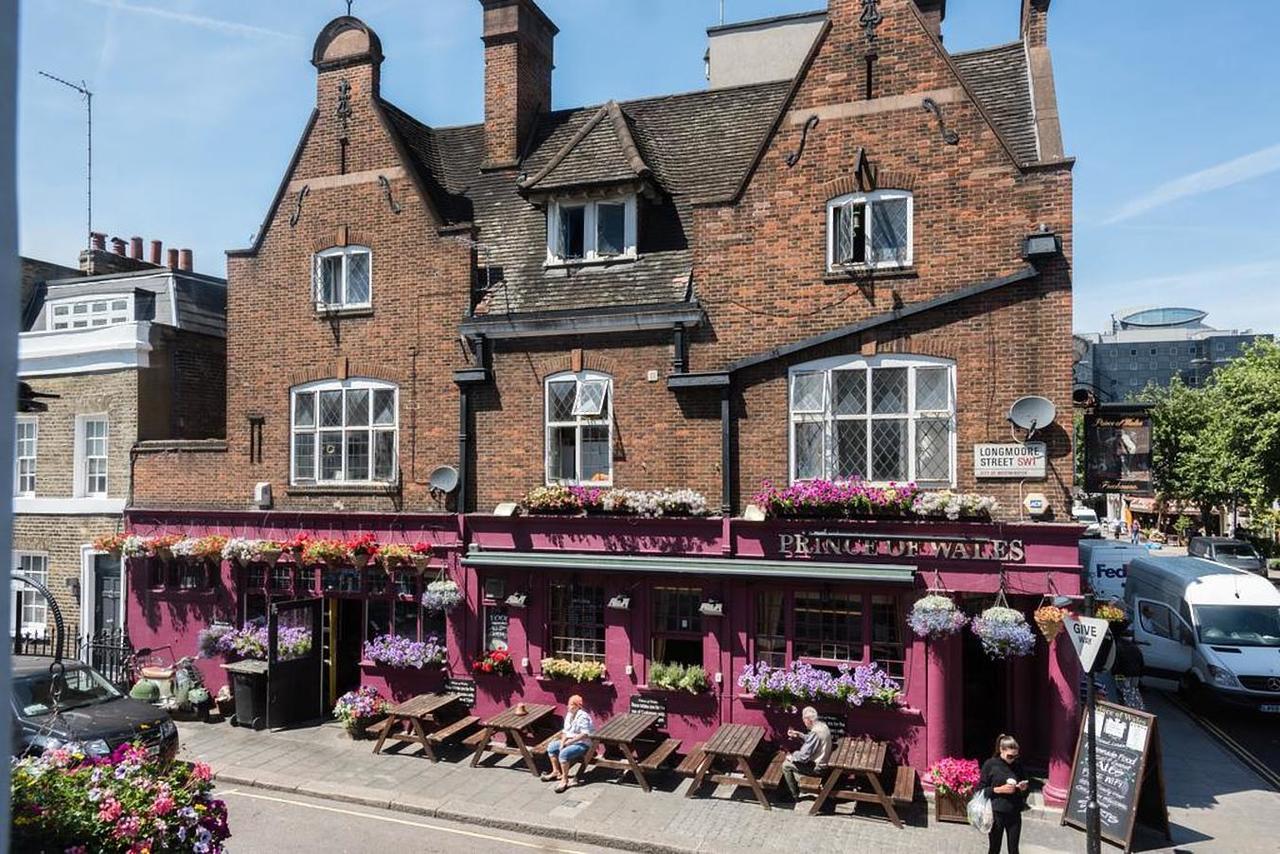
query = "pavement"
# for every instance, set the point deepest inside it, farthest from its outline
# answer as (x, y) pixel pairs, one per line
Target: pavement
(1216, 804)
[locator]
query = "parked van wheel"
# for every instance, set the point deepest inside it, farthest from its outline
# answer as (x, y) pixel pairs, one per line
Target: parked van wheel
(1194, 692)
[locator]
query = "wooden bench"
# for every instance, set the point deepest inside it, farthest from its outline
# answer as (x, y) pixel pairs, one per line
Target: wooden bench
(448, 731)
(660, 754)
(540, 749)
(474, 740)
(772, 776)
(904, 785)
(689, 765)
(376, 729)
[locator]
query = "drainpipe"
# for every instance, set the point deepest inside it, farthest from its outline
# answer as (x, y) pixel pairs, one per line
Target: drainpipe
(680, 342)
(726, 451)
(464, 451)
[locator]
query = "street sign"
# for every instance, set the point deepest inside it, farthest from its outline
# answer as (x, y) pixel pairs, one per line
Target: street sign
(1087, 636)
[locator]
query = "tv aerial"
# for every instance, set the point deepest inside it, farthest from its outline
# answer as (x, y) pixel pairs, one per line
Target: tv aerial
(1032, 413)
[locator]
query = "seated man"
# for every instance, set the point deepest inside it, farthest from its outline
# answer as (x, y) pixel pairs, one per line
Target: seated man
(812, 756)
(572, 745)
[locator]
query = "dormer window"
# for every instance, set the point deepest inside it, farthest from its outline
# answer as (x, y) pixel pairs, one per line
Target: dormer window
(342, 278)
(88, 312)
(581, 231)
(870, 230)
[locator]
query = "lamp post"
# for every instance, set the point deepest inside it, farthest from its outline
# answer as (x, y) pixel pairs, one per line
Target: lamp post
(1093, 830)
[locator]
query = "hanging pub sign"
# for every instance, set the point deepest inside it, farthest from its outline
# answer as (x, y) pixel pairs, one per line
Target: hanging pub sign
(1014, 461)
(821, 544)
(1117, 451)
(1130, 779)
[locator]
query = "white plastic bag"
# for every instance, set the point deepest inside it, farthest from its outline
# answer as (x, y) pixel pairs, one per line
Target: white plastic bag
(980, 811)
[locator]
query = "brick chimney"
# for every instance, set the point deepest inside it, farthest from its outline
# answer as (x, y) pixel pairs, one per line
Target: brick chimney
(1035, 22)
(135, 248)
(518, 58)
(157, 252)
(185, 259)
(933, 12)
(173, 259)
(117, 245)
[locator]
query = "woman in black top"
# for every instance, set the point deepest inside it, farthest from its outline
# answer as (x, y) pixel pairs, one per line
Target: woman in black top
(1005, 783)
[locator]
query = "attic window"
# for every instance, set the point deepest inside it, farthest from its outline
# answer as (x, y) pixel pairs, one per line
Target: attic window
(870, 230)
(89, 312)
(585, 231)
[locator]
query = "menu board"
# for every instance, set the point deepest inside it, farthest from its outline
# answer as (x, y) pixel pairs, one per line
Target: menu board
(464, 688)
(1130, 780)
(835, 723)
(645, 703)
(495, 627)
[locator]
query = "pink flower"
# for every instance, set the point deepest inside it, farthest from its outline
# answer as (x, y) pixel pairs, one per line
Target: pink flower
(110, 811)
(127, 826)
(60, 757)
(201, 772)
(162, 805)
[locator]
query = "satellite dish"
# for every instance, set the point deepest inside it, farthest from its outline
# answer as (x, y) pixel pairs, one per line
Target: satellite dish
(444, 478)
(1032, 412)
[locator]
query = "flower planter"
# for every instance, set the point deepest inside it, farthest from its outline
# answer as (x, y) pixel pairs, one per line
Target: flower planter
(948, 806)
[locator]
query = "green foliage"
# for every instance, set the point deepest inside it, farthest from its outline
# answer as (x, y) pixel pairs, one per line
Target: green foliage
(1221, 443)
(678, 677)
(577, 671)
(1182, 525)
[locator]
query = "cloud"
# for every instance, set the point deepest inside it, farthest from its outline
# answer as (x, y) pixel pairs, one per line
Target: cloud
(1246, 168)
(216, 24)
(1207, 281)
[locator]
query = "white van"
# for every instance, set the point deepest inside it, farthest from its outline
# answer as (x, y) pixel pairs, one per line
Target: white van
(1103, 565)
(1211, 630)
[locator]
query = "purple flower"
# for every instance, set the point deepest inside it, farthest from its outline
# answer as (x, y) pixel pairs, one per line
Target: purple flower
(396, 651)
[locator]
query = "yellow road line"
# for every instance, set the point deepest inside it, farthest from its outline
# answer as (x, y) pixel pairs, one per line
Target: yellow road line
(393, 820)
(1252, 762)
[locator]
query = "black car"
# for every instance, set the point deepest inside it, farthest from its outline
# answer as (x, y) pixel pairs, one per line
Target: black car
(93, 716)
(1229, 552)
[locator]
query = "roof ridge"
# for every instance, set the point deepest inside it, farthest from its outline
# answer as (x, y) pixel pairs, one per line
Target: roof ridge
(994, 47)
(622, 136)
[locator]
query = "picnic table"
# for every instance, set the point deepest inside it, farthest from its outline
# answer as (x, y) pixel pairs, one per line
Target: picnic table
(625, 733)
(862, 757)
(431, 721)
(735, 743)
(513, 726)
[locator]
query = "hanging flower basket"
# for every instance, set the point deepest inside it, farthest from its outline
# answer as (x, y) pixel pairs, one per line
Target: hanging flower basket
(362, 548)
(332, 553)
(421, 556)
(1004, 632)
(935, 616)
(1049, 620)
(269, 551)
(394, 555)
(1110, 612)
(441, 596)
(109, 543)
(239, 551)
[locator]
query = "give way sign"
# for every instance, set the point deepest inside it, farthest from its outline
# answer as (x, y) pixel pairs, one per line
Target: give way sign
(1087, 636)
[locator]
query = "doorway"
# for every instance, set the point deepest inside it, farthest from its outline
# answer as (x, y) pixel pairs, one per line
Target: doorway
(986, 698)
(346, 640)
(101, 596)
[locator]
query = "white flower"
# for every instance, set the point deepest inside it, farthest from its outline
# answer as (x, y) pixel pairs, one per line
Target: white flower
(238, 548)
(134, 546)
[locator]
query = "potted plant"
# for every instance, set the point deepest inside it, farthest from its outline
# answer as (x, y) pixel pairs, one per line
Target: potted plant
(297, 546)
(1004, 632)
(239, 551)
(401, 652)
(362, 548)
(575, 671)
(679, 677)
(359, 709)
(395, 555)
(421, 556)
(1049, 619)
(554, 500)
(332, 553)
(268, 551)
(935, 616)
(496, 662)
(954, 781)
(109, 543)
(441, 596)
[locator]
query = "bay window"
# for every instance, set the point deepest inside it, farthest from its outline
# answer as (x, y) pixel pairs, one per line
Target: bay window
(591, 230)
(344, 432)
(579, 428)
(870, 230)
(883, 419)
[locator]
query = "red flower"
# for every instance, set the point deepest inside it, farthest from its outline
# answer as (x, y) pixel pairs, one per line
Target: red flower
(421, 548)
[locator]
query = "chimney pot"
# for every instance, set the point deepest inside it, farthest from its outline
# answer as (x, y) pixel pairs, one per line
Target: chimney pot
(1035, 23)
(157, 249)
(135, 247)
(173, 259)
(117, 246)
(99, 240)
(185, 259)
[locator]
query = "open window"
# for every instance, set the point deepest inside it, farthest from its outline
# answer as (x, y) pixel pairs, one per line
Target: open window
(871, 230)
(342, 278)
(591, 230)
(579, 428)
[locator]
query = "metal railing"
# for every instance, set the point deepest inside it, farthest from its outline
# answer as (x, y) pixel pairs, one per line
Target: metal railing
(108, 652)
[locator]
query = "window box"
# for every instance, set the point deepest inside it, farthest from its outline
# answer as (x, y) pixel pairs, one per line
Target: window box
(845, 275)
(751, 701)
(566, 680)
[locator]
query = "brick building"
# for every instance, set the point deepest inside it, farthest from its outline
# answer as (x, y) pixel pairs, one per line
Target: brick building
(118, 350)
(850, 272)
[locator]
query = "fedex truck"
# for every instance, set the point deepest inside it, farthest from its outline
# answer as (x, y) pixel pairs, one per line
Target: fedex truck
(1103, 565)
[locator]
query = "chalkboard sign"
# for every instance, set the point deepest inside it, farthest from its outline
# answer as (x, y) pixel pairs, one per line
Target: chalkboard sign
(495, 627)
(645, 703)
(835, 723)
(464, 688)
(1130, 780)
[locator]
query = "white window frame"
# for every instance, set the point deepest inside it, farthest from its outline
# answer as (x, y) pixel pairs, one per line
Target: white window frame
(345, 253)
(828, 417)
(869, 200)
(31, 598)
(315, 430)
(590, 250)
(110, 316)
(604, 419)
(82, 458)
(19, 458)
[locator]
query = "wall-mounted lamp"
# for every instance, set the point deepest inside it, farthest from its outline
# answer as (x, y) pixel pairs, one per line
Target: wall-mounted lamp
(711, 608)
(517, 600)
(621, 602)
(1041, 244)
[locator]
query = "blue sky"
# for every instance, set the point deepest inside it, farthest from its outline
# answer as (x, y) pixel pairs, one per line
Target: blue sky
(1170, 108)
